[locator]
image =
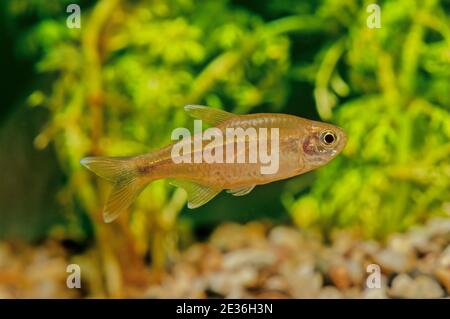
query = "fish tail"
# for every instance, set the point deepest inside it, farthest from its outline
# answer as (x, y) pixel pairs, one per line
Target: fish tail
(124, 174)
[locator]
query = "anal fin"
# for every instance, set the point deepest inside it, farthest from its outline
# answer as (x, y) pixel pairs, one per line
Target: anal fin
(241, 191)
(198, 195)
(122, 195)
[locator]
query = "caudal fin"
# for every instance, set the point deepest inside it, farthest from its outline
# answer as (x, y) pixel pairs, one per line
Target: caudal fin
(127, 184)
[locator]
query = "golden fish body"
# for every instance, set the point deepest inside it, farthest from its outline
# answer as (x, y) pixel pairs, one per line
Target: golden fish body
(301, 145)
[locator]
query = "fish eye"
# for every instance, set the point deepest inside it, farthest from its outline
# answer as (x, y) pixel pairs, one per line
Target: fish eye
(328, 137)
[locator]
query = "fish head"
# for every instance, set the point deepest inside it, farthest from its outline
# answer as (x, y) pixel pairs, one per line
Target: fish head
(322, 142)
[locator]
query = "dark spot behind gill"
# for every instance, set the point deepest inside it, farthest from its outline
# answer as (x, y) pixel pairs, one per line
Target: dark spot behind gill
(143, 169)
(307, 146)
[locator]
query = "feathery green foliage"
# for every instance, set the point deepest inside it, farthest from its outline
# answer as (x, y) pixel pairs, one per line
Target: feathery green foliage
(390, 89)
(117, 86)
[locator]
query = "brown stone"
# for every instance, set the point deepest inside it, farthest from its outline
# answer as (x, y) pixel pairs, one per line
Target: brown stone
(340, 277)
(443, 275)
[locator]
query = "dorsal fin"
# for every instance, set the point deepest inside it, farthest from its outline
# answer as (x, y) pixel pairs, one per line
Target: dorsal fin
(241, 191)
(209, 115)
(198, 195)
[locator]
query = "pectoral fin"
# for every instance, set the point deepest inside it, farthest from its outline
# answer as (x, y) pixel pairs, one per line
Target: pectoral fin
(198, 195)
(209, 115)
(241, 191)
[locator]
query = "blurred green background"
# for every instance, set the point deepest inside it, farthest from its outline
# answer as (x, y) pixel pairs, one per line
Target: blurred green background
(117, 85)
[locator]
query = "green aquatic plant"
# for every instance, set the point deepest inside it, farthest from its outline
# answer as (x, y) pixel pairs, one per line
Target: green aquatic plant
(389, 88)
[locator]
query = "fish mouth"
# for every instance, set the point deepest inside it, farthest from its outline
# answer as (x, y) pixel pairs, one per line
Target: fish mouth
(342, 140)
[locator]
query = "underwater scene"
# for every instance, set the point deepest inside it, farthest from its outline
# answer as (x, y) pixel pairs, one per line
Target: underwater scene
(225, 149)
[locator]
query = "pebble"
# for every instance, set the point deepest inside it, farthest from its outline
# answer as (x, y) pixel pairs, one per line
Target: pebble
(427, 287)
(403, 286)
(427, 264)
(393, 261)
(330, 292)
(374, 293)
(438, 226)
(305, 282)
(276, 282)
(254, 257)
(340, 277)
(443, 275)
(400, 243)
(444, 259)
(420, 240)
(253, 261)
(286, 237)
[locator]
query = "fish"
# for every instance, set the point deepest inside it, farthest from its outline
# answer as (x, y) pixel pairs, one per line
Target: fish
(301, 146)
